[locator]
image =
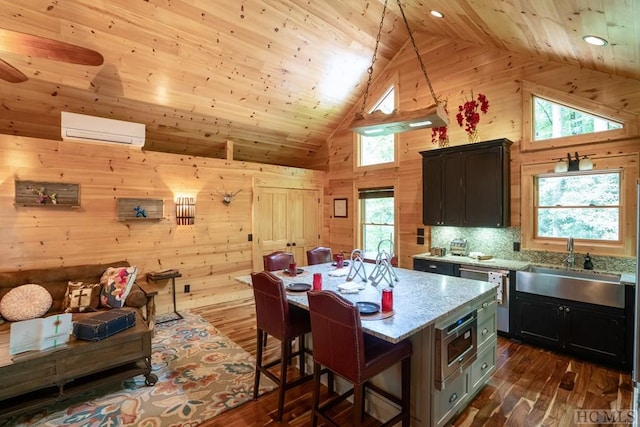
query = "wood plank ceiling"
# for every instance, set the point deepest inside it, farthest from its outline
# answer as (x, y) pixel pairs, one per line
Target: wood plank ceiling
(275, 77)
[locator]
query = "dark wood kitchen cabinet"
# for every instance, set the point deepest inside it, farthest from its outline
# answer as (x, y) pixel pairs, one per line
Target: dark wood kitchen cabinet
(467, 185)
(437, 267)
(592, 332)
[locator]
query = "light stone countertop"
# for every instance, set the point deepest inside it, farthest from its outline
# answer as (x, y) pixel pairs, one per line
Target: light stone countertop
(419, 299)
(626, 278)
(498, 263)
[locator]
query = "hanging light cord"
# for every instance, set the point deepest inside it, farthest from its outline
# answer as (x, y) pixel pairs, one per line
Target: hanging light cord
(375, 52)
(373, 61)
(415, 48)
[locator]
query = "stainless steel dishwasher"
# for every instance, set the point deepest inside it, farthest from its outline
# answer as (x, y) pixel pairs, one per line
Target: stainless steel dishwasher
(494, 275)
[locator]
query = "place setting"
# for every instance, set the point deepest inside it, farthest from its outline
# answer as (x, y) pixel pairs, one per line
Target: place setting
(301, 287)
(374, 311)
(292, 271)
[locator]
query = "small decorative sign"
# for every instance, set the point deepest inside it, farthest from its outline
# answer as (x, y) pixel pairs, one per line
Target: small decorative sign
(139, 209)
(39, 193)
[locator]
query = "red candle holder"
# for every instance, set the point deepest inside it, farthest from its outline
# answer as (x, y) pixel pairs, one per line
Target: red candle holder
(317, 281)
(387, 300)
(293, 269)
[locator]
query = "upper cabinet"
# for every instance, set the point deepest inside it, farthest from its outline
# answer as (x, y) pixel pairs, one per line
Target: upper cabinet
(467, 185)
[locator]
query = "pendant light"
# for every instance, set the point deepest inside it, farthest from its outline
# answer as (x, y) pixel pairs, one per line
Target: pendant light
(378, 123)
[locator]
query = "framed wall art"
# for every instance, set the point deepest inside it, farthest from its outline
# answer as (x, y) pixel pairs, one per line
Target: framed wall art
(340, 208)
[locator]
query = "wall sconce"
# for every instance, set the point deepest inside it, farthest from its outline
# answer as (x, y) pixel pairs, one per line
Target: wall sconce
(575, 164)
(228, 197)
(185, 210)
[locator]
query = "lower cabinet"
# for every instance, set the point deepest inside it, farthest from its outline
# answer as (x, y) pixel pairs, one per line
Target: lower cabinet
(596, 333)
(438, 267)
(458, 393)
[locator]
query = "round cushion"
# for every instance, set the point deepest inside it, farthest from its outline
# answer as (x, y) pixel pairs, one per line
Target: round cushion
(25, 302)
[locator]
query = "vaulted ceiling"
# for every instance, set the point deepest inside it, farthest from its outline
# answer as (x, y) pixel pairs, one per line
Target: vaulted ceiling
(273, 77)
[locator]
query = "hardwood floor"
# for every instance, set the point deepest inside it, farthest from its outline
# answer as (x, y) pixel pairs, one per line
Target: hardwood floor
(530, 387)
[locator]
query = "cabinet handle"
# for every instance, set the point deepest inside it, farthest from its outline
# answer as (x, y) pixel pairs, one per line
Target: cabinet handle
(453, 397)
(484, 331)
(293, 244)
(485, 304)
(288, 244)
(484, 366)
(433, 266)
(566, 309)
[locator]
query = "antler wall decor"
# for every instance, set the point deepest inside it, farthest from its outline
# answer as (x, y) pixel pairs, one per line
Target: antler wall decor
(227, 197)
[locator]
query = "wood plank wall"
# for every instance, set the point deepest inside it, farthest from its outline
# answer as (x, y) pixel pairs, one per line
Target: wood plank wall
(209, 253)
(455, 69)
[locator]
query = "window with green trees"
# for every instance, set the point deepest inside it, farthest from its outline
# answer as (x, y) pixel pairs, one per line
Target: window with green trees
(375, 150)
(376, 216)
(581, 205)
(554, 120)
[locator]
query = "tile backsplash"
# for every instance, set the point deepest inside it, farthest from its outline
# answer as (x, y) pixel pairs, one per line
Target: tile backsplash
(499, 243)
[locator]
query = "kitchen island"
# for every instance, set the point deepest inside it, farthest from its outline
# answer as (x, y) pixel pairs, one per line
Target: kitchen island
(423, 303)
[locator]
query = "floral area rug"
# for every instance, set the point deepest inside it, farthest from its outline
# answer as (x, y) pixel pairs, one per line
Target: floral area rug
(201, 373)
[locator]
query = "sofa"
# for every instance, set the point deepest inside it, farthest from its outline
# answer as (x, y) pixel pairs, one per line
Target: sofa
(38, 378)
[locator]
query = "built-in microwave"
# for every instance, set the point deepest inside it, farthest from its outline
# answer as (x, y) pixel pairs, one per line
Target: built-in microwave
(456, 345)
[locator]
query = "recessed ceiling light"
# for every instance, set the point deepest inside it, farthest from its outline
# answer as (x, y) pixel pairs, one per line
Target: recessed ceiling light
(437, 14)
(595, 40)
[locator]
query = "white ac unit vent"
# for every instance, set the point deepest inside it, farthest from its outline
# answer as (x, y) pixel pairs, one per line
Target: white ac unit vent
(80, 127)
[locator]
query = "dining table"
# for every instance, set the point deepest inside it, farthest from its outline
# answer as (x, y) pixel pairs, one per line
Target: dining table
(420, 299)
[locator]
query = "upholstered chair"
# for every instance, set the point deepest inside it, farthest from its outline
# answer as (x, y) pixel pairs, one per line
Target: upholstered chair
(319, 255)
(278, 260)
(285, 322)
(340, 345)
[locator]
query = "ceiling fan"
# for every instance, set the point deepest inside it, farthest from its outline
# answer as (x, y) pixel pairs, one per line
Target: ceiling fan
(42, 47)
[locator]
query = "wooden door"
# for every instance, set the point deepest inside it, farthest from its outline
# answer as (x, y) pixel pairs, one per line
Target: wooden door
(271, 223)
(285, 220)
(305, 223)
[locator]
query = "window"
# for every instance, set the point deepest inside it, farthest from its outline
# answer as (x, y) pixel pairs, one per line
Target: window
(553, 120)
(583, 205)
(375, 150)
(377, 211)
(596, 207)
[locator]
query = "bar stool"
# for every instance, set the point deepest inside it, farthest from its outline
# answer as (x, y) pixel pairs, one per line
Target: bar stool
(319, 255)
(278, 260)
(340, 345)
(274, 316)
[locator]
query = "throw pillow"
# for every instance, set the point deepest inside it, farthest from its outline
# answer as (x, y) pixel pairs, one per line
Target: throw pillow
(25, 302)
(137, 297)
(116, 285)
(81, 298)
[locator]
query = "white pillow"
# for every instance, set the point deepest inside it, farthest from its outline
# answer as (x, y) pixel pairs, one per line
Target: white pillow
(25, 302)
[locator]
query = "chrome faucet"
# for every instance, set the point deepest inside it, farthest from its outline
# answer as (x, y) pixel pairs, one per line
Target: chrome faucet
(570, 259)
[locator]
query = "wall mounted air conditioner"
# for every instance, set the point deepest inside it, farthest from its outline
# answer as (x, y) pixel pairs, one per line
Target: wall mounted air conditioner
(80, 127)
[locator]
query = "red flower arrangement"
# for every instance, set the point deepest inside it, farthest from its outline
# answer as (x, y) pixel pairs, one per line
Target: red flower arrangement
(469, 115)
(439, 136)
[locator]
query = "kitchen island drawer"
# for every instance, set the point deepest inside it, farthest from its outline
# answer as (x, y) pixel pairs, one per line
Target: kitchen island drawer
(486, 329)
(483, 367)
(448, 401)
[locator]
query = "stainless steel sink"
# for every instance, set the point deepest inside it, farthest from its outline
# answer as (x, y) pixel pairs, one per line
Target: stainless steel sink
(584, 286)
